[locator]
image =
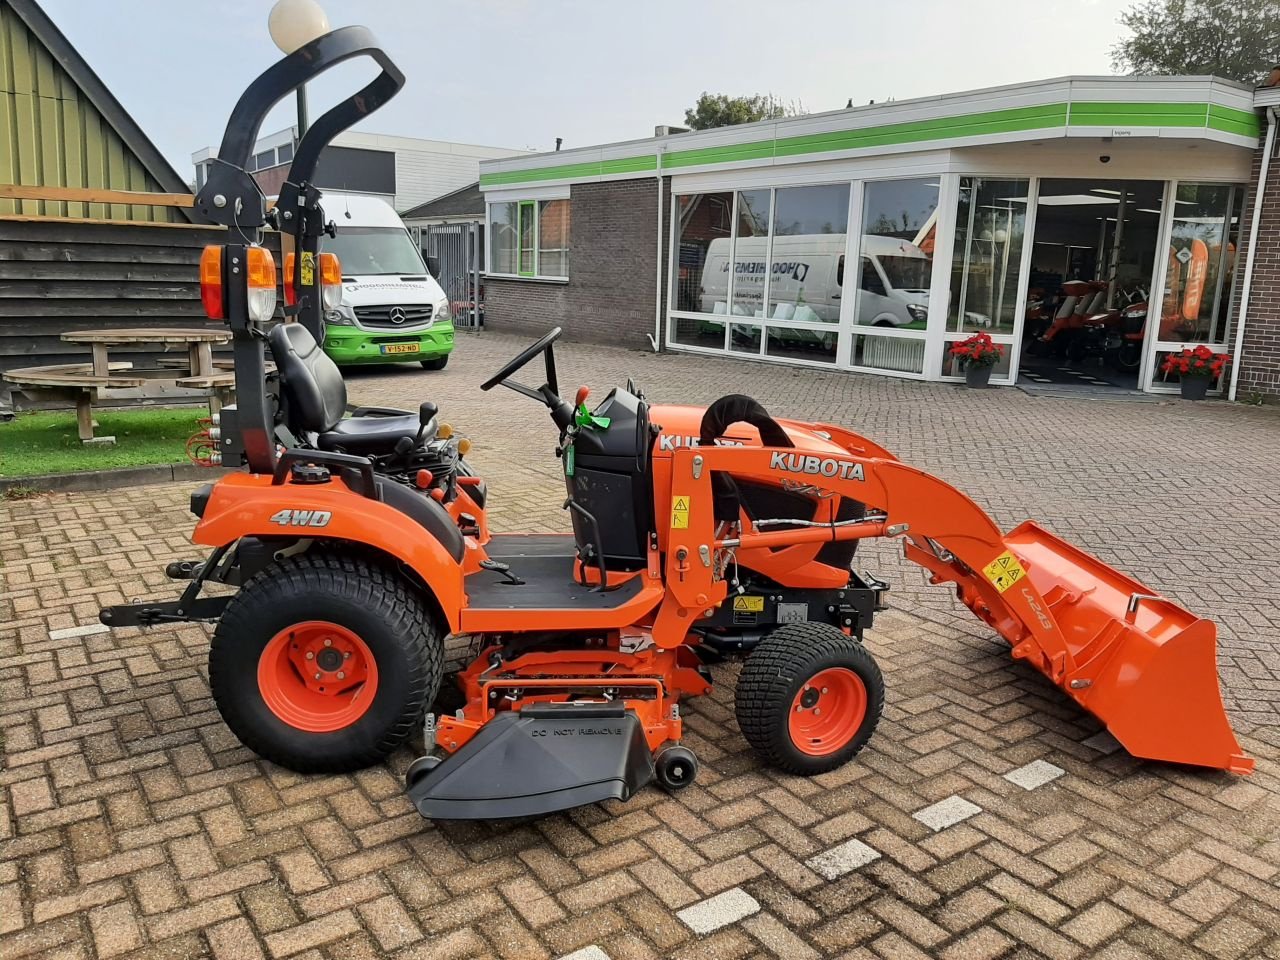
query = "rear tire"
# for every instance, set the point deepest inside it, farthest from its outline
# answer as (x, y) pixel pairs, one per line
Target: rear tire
(349, 615)
(781, 714)
(435, 363)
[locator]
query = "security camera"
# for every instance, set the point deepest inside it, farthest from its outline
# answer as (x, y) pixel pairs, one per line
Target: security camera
(1105, 158)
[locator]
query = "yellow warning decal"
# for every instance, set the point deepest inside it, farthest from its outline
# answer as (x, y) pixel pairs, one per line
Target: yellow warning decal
(680, 513)
(308, 269)
(1004, 571)
(748, 604)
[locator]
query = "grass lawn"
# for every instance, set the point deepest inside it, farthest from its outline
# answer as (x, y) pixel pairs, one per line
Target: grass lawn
(37, 443)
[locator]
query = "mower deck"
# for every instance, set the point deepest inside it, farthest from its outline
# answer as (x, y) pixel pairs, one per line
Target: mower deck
(538, 760)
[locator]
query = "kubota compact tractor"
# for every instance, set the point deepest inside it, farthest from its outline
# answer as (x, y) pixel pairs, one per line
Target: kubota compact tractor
(358, 544)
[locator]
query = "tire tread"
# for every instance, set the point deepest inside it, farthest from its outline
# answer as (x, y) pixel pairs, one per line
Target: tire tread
(378, 590)
(763, 697)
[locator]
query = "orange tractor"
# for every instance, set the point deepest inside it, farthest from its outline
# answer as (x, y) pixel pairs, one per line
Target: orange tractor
(358, 544)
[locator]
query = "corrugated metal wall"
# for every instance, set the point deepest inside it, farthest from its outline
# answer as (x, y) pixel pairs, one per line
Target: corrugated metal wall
(50, 135)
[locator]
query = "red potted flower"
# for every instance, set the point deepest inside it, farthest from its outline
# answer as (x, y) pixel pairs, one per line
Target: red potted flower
(1195, 369)
(977, 356)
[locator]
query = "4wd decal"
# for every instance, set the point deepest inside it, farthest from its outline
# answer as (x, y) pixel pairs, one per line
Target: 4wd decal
(815, 465)
(302, 518)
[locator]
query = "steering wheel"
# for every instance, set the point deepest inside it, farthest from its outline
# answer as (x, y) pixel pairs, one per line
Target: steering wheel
(528, 353)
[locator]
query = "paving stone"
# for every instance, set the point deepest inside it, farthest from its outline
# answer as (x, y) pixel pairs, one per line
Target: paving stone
(1034, 774)
(587, 953)
(72, 633)
(946, 813)
(840, 860)
(719, 911)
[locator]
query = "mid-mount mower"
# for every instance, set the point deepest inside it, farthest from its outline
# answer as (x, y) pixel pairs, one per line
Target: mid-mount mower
(358, 544)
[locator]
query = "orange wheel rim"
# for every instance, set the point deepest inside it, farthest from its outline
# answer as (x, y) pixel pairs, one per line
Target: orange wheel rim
(317, 676)
(827, 711)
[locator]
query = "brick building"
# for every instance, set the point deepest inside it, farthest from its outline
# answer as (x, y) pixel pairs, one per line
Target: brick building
(1090, 225)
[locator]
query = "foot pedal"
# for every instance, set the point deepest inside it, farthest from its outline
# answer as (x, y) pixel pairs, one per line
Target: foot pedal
(504, 569)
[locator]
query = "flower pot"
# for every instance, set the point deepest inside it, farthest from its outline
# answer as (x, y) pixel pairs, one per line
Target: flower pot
(1194, 388)
(977, 376)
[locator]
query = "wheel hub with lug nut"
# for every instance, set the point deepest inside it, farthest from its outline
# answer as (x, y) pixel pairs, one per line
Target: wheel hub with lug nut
(827, 711)
(317, 676)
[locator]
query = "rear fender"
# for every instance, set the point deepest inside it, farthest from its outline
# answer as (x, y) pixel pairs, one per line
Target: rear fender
(248, 505)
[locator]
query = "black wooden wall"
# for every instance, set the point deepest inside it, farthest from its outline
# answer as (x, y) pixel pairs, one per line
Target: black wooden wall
(60, 275)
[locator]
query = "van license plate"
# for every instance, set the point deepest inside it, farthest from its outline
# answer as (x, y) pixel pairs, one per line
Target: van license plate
(399, 348)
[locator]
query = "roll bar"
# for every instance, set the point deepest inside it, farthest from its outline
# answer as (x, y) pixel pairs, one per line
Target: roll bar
(232, 198)
(241, 206)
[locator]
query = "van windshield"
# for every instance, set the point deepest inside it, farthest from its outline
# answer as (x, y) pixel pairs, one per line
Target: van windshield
(903, 273)
(373, 251)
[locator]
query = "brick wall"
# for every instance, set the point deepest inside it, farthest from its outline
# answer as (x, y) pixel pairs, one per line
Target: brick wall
(1260, 353)
(610, 294)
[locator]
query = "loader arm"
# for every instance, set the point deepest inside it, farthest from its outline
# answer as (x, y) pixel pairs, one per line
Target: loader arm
(1136, 660)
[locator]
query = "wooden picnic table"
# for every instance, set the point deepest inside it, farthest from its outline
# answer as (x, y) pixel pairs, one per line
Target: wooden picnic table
(199, 344)
(194, 373)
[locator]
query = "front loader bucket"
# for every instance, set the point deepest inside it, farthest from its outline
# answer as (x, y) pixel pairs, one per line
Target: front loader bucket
(1139, 662)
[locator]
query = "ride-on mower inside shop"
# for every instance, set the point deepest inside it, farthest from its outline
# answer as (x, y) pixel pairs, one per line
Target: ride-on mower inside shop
(357, 545)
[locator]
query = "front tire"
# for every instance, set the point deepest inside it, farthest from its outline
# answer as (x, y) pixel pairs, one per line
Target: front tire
(325, 663)
(435, 363)
(809, 698)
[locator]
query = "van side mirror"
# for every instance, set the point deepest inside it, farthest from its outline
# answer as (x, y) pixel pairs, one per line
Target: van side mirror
(433, 266)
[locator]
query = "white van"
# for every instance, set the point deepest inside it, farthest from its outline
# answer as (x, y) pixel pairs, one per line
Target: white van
(808, 276)
(392, 309)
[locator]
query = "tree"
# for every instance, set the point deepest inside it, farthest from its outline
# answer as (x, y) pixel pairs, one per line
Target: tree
(719, 110)
(1234, 39)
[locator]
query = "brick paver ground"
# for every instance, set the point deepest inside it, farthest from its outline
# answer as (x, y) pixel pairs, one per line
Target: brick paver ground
(133, 824)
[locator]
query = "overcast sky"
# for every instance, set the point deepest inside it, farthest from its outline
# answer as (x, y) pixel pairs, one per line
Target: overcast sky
(519, 73)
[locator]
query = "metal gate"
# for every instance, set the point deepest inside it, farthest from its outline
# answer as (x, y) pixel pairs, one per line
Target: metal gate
(455, 254)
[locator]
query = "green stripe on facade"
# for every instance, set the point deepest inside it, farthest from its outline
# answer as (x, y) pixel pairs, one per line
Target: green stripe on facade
(1052, 116)
(1085, 114)
(1245, 123)
(918, 131)
(572, 171)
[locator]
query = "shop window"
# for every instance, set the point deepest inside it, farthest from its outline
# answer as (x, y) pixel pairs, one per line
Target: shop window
(530, 238)
(814, 345)
(750, 254)
(705, 230)
(810, 225)
(745, 337)
(553, 238)
(502, 237)
(991, 221)
(698, 332)
(899, 220)
(284, 153)
(1200, 271)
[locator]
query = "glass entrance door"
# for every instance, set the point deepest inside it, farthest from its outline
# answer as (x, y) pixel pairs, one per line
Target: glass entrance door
(1199, 257)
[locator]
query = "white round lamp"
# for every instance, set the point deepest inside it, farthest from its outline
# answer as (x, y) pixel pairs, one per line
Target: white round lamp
(295, 23)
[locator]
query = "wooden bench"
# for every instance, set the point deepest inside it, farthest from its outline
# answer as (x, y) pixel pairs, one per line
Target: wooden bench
(78, 382)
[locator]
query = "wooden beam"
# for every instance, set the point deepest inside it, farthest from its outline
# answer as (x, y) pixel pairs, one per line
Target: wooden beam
(21, 191)
(124, 223)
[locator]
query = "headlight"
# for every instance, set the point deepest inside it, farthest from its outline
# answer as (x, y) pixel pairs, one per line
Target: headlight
(342, 317)
(918, 313)
(441, 312)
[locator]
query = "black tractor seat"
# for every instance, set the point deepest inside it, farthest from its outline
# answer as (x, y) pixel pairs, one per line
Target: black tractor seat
(315, 399)
(373, 434)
